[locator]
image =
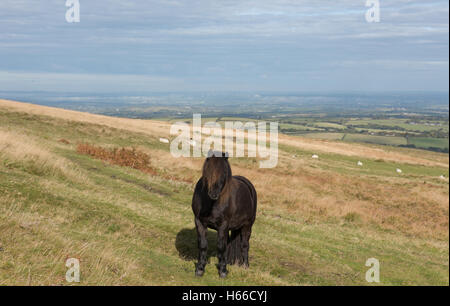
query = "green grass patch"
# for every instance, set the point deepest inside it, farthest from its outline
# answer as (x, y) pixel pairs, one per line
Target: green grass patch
(428, 142)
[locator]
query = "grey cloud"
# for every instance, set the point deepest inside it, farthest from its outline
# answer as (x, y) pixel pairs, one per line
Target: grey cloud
(223, 44)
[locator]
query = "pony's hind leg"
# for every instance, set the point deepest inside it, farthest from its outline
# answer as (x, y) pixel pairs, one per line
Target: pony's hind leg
(234, 254)
(246, 232)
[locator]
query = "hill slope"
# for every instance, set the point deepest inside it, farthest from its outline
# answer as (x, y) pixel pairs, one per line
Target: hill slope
(318, 220)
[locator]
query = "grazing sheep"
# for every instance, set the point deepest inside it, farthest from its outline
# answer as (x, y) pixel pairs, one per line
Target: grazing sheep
(359, 163)
(164, 140)
(399, 170)
(315, 156)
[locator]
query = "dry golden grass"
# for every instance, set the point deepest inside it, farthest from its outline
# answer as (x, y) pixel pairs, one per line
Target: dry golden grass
(414, 208)
(34, 155)
(134, 125)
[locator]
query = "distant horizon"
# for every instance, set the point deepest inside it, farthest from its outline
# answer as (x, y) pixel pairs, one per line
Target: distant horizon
(232, 102)
(281, 92)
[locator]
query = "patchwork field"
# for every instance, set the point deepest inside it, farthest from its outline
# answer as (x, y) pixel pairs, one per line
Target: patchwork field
(318, 220)
(423, 142)
(424, 133)
(405, 124)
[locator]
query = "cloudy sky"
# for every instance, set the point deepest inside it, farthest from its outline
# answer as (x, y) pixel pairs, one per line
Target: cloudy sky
(224, 45)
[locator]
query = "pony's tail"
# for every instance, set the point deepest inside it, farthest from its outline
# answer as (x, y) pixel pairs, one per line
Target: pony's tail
(234, 249)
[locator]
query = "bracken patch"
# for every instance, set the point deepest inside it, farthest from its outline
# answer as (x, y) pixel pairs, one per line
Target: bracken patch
(124, 157)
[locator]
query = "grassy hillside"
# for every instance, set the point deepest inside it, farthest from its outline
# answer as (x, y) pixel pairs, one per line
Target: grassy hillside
(317, 224)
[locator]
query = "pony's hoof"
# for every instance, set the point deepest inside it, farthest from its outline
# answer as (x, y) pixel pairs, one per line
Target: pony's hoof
(246, 266)
(199, 272)
(223, 274)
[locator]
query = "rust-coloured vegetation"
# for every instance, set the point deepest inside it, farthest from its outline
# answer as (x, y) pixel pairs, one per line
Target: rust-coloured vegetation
(119, 156)
(64, 141)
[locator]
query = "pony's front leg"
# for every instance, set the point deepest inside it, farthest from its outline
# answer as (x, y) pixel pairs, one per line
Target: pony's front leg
(202, 241)
(222, 238)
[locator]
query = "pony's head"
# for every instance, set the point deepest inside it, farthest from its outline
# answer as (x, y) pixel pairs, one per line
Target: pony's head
(216, 173)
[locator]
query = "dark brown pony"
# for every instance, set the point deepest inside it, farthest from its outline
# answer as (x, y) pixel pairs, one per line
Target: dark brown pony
(225, 203)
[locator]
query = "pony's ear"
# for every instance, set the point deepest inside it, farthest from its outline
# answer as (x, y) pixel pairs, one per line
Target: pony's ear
(225, 155)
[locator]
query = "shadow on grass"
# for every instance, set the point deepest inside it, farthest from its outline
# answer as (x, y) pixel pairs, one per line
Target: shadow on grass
(186, 244)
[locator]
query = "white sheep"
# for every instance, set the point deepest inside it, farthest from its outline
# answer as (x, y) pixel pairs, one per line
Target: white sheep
(315, 156)
(164, 140)
(359, 163)
(399, 170)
